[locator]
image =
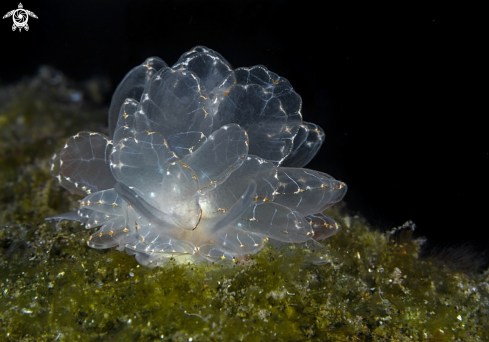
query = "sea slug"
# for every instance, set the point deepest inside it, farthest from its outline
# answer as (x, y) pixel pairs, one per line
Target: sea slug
(202, 162)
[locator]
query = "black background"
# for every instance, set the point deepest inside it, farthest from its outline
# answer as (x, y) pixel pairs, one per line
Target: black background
(395, 88)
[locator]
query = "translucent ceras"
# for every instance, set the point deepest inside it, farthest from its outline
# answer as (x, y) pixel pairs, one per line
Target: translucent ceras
(201, 162)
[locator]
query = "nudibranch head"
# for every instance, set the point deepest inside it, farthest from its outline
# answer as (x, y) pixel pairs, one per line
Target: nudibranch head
(203, 161)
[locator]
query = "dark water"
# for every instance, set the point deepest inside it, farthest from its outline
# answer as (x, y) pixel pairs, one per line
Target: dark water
(394, 88)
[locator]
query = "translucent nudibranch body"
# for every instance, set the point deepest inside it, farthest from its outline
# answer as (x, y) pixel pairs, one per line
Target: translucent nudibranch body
(202, 161)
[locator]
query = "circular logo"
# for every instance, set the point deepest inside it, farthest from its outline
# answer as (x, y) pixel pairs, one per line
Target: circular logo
(20, 17)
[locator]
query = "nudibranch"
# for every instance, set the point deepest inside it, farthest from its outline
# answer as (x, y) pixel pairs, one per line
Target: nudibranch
(202, 162)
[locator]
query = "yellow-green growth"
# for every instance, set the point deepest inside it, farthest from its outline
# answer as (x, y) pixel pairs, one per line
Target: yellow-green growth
(361, 285)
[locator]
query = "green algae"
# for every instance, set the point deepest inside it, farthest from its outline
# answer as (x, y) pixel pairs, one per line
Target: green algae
(36, 117)
(359, 285)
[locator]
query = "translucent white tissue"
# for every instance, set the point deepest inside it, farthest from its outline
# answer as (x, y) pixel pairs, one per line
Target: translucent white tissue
(202, 161)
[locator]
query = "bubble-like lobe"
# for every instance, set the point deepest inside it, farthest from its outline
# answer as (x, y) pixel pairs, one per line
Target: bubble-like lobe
(132, 87)
(222, 153)
(306, 144)
(205, 163)
(174, 101)
(82, 165)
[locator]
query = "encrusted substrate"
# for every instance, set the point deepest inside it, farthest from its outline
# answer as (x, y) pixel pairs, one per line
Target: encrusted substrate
(362, 286)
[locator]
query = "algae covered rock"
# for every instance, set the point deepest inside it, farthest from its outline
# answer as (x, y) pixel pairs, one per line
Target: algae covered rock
(359, 285)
